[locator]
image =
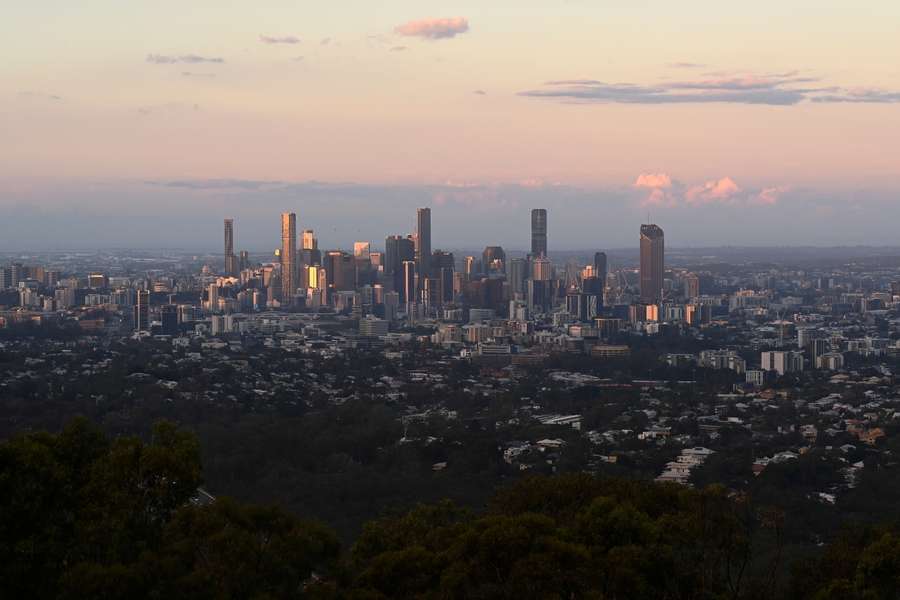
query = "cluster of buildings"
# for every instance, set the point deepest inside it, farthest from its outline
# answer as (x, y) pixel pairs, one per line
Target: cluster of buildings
(498, 307)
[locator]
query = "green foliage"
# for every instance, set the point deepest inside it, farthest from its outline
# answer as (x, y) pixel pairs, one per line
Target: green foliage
(85, 516)
(82, 516)
(571, 536)
(863, 564)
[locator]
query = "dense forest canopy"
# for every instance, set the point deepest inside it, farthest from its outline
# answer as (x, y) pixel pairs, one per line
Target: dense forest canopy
(83, 515)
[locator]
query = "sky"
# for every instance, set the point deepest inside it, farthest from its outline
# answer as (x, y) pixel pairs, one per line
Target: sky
(146, 123)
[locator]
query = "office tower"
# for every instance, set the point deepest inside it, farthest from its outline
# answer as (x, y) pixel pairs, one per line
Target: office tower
(288, 258)
(212, 295)
(691, 285)
(244, 261)
(539, 232)
(818, 348)
(408, 291)
(782, 362)
(592, 285)
(430, 294)
(334, 265)
(391, 303)
(444, 266)
(65, 297)
(397, 249)
(309, 240)
(378, 294)
(312, 277)
(363, 274)
(98, 281)
(494, 260)
(229, 248)
(423, 241)
(361, 250)
(600, 266)
(373, 327)
(538, 296)
(168, 316)
(16, 273)
(377, 260)
(469, 268)
(518, 273)
(652, 263)
(142, 311)
(541, 269)
(5, 278)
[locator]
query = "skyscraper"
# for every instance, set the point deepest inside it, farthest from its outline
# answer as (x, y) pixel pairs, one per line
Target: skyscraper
(142, 311)
(691, 285)
(361, 250)
(408, 293)
(309, 240)
(397, 249)
(229, 248)
(423, 241)
(652, 263)
(518, 273)
(600, 268)
(309, 254)
(539, 232)
(443, 265)
(288, 258)
(541, 269)
(168, 315)
(494, 260)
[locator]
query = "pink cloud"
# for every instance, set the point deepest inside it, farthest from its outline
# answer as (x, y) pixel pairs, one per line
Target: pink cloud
(721, 190)
(653, 180)
(661, 189)
(770, 196)
(434, 29)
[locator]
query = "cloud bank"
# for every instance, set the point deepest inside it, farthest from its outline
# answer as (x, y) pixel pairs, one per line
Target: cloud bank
(776, 89)
(163, 59)
(188, 213)
(434, 29)
(663, 191)
(286, 39)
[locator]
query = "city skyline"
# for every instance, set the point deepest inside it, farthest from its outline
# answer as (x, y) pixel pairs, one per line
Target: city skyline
(429, 299)
(716, 118)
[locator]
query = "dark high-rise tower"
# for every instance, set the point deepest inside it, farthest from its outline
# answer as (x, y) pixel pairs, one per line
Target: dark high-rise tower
(423, 241)
(397, 249)
(539, 232)
(652, 263)
(288, 258)
(600, 268)
(444, 266)
(229, 247)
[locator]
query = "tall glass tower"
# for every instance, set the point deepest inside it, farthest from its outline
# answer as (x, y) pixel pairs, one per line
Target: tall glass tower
(229, 247)
(423, 241)
(652, 262)
(288, 258)
(539, 232)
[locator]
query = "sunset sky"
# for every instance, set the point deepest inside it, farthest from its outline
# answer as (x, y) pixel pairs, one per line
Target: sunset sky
(146, 123)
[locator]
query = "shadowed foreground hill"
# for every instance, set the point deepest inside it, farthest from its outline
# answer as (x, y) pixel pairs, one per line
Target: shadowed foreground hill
(83, 516)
